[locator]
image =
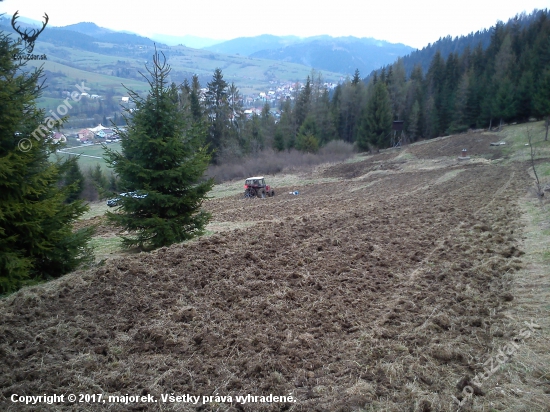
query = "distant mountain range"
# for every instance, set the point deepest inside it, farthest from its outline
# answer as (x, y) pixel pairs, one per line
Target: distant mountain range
(88, 28)
(336, 54)
(109, 61)
(324, 53)
(245, 46)
(187, 41)
(86, 36)
(102, 34)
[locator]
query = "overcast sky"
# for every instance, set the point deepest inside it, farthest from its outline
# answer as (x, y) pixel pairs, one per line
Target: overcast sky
(415, 23)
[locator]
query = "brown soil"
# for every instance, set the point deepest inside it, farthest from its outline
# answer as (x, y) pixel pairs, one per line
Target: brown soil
(345, 296)
(476, 144)
(101, 227)
(373, 162)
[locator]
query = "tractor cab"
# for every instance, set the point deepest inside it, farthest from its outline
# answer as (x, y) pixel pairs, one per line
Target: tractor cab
(254, 182)
(256, 187)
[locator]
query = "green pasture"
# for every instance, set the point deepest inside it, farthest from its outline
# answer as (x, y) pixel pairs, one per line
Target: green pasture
(517, 147)
(90, 156)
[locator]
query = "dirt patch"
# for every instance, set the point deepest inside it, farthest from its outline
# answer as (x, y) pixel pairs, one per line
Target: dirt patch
(379, 161)
(476, 144)
(100, 224)
(346, 296)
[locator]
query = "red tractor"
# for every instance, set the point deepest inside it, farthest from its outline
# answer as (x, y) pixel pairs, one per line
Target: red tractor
(256, 187)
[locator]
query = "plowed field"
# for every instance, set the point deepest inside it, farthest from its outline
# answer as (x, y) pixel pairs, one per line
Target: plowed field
(381, 291)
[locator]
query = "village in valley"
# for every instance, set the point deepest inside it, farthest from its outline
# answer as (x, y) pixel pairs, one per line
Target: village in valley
(98, 134)
(251, 104)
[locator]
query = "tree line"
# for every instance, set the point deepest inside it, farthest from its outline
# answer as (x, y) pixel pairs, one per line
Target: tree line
(505, 77)
(481, 87)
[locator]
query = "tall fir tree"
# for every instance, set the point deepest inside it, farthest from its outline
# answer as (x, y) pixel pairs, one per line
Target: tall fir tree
(376, 120)
(435, 79)
(162, 163)
(413, 121)
(396, 89)
(37, 240)
(253, 138)
(217, 112)
(267, 123)
(196, 108)
(414, 104)
(524, 96)
(73, 180)
(323, 118)
(303, 103)
(307, 140)
(458, 114)
(356, 77)
(542, 99)
(236, 121)
(279, 140)
(285, 135)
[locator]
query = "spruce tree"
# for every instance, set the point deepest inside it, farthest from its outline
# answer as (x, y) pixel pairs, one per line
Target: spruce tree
(267, 122)
(303, 103)
(376, 120)
(236, 122)
(196, 108)
(524, 96)
(37, 240)
(307, 140)
(99, 181)
(356, 77)
(285, 128)
(435, 79)
(504, 103)
(217, 112)
(161, 166)
(413, 121)
(74, 180)
(415, 104)
(279, 140)
(542, 99)
(326, 129)
(253, 138)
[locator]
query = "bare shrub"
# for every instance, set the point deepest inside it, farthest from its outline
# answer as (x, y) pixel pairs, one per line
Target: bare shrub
(337, 147)
(533, 155)
(270, 161)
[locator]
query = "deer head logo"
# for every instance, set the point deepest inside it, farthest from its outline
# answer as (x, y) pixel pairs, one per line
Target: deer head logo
(28, 36)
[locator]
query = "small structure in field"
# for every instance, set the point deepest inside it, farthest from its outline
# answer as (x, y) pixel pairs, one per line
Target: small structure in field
(398, 134)
(464, 155)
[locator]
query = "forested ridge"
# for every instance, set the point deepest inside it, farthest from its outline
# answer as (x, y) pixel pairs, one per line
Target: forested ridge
(447, 45)
(465, 86)
(496, 75)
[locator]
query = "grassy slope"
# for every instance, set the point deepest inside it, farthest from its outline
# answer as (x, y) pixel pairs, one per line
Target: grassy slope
(86, 162)
(95, 81)
(529, 368)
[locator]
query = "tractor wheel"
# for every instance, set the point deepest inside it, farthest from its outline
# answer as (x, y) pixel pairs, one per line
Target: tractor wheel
(261, 193)
(272, 193)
